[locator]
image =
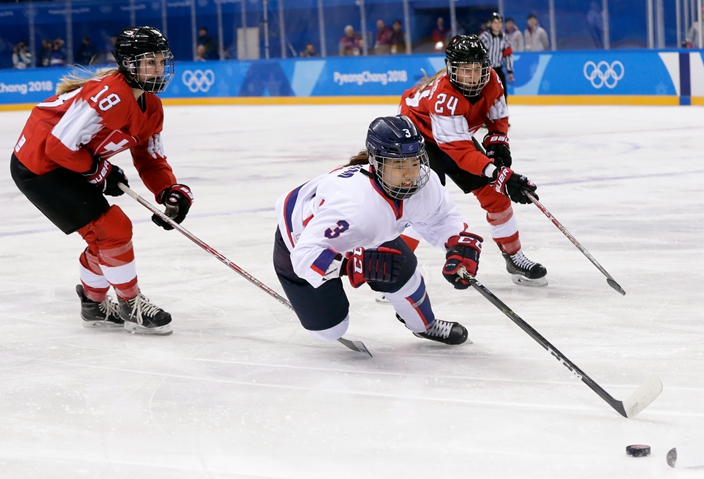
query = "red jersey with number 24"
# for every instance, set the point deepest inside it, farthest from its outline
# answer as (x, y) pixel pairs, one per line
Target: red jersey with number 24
(447, 118)
(100, 119)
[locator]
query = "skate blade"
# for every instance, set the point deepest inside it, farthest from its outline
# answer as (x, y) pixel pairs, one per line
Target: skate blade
(104, 325)
(523, 281)
(134, 328)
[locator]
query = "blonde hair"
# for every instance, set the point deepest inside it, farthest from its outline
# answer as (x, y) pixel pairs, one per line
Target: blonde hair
(77, 79)
(426, 80)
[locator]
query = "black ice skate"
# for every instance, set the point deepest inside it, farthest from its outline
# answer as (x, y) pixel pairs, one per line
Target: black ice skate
(443, 332)
(143, 317)
(524, 271)
(105, 315)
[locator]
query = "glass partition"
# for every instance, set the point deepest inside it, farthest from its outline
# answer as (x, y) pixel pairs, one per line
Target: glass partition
(81, 31)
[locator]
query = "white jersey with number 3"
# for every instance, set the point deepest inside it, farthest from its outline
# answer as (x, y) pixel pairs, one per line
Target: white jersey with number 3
(346, 208)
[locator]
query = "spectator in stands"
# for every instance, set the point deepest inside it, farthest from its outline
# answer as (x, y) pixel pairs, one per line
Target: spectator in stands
(397, 38)
(21, 58)
(692, 40)
(58, 54)
(211, 50)
(535, 36)
(595, 24)
(514, 35)
(45, 53)
(382, 43)
(200, 53)
(350, 45)
(86, 52)
(439, 35)
(309, 51)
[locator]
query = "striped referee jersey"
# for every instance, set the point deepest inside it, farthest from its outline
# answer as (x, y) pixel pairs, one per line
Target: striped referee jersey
(499, 50)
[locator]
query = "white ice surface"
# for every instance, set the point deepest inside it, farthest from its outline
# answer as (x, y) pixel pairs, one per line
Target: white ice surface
(240, 390)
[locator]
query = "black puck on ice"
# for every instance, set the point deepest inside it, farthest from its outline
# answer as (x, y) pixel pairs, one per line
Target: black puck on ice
(637, 450)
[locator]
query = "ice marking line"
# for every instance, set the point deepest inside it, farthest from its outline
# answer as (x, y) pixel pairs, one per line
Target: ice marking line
(80, 361)
(617, 178)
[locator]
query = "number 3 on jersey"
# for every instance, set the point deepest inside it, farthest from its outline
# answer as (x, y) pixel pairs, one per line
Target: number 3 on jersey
(342, 226)
(450, 103)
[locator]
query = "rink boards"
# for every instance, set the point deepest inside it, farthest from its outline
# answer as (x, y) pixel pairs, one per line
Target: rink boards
(629, 77)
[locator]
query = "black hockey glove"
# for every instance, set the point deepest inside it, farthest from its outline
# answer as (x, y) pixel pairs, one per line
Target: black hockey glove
(381, 265)
(462, 253)
(105, 176)
(178, 200)
(497, 149)
(512, 184)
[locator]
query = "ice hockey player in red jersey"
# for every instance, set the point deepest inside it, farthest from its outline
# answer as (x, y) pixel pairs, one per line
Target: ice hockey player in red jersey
(347, 223)
(61, 163)
(449, 108)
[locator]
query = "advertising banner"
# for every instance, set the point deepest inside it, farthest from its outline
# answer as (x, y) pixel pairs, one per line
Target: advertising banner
(590, 74)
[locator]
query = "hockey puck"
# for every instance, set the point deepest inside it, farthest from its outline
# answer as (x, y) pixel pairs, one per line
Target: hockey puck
(672, 457)
(637, 450)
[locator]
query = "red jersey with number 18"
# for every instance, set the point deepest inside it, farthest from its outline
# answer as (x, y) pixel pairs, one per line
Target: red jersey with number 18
(100, 119)
(445, 117)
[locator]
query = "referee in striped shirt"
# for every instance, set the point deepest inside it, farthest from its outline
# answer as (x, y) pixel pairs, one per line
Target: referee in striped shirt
(499, 49)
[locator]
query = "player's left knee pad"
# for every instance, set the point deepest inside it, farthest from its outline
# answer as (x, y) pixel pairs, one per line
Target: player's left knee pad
(113, 229)
(407, 268)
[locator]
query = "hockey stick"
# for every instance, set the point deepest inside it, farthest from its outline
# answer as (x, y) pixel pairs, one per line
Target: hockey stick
(353, 345)
(636, 402)
(581, 248)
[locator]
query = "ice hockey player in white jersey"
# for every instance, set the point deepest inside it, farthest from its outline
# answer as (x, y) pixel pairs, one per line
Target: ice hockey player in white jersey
(348, 222)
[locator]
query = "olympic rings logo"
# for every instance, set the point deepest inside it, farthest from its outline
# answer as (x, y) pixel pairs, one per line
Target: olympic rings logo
(602, 74)
(198, 80)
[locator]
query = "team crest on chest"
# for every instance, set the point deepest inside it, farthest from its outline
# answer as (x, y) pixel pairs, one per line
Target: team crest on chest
(114, 143)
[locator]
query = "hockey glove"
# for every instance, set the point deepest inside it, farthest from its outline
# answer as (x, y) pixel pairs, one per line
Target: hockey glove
(512, 184)
(178, 200)
(462, 255)
(106, 176)
(381, 265)
(497, 149)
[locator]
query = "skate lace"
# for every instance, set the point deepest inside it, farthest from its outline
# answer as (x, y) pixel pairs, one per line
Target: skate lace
(109, 308)
(142, 306)
(440, 329)
(520, 260)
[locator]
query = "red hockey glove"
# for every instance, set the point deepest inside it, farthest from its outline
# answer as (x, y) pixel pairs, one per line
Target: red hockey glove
(381, 265)
(462, 253)
(178, 200)
(105, 176)
(512, 184)
(497, 149)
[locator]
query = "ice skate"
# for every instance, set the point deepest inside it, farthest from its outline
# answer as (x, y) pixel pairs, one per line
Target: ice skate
(443, 332)
(524, 271)
(144, 317)
(104, 315)
(382, 299)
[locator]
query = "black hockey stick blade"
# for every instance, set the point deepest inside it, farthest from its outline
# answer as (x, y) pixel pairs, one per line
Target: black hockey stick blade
(636, 402)
(355, 346)
(615, 285)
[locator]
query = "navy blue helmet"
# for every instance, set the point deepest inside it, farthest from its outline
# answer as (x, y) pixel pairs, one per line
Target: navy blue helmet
(397, 152)
(138, 53)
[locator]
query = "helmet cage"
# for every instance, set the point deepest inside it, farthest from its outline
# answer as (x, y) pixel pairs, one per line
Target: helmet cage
(402, 177)
(457, 71)
(135, 66)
